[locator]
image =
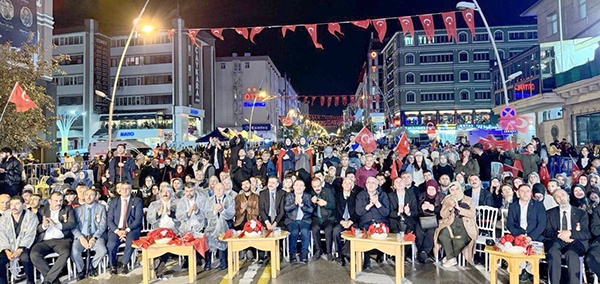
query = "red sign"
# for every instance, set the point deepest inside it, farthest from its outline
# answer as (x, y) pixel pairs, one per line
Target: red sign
(525, 87)
(252, 96)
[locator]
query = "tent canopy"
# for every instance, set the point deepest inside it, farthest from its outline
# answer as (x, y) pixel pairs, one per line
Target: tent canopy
(215, 133)
(255, 138)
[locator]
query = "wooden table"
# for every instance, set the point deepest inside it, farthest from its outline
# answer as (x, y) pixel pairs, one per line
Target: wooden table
(155, 250)
(390, 246)
(270, 243)
(514, 261)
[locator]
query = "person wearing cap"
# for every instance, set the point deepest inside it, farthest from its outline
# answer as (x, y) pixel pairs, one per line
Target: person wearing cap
(429, 203)
(457, 230)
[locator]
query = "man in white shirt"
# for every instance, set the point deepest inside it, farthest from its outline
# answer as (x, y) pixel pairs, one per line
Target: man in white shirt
(54, 236)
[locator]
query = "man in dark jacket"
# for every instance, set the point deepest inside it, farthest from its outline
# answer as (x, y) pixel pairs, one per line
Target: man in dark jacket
(403, 204)
(241, 170)
(270, 207)
(345, 215)
(592, 260)
(373, 206)
(298, 208)
(10, 172)
(216, 155)
(480, 196)
(121, 166)
(323, 217)
(485, 162)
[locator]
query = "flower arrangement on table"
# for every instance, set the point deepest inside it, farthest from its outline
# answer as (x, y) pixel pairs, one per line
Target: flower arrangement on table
(253, 228)
(168, 236)
(378, 231)
(519, 244)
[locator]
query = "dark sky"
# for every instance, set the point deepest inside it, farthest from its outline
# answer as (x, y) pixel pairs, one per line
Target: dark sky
(332, 71)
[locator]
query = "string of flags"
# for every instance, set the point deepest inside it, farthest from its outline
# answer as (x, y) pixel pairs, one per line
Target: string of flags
(337, 100)
(335, 28)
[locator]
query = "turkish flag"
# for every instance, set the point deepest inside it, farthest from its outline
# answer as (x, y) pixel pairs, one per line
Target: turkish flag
(407, 26)
(337, 100)
(255, 31)
(329, 101)
(242, 31)
(513, 170)
(366, 140)
(312, 31)
(19, 97)
(576, 173)
(192, 35)
(381, 27)
(396, 164)
(288, 27)
(403, 147)
(322, 100)
(170, 33)
(344, 100)
(427, 22)
(363, 24)
(334, 28)
(450, 23)
(217, 33)
(469, 16)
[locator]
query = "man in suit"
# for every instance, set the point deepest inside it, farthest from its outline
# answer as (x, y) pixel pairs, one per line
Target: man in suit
(17, 234)
(298, 208)
(373, 206)
(344, 167)
(323, 218)
(54, 236)
(403, 204)
(89, 234)
(345, 215)
(533, 225)
(270, 206)
(124, 225)
(567, 233)
(480, 196)
(592, 260)
(216, 154)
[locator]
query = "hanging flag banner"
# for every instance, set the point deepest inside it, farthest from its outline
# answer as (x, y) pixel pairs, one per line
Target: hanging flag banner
(381, 27)
(334, 28)
(312, 31)
(428, 27)
(192, 35)
(407, 26)
(362, 24)
(286, 28)
(450, 23)
(218, 33)
(255, 31)
(243, 32)
(469, 16)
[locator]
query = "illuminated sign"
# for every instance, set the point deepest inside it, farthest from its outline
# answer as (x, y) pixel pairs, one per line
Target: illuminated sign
(253, 96)
(257, 104)
(525, 87)
(257, 127)
(126, 134)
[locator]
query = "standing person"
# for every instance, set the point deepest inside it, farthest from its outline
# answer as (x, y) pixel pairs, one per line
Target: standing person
(54, 236)
(323, 218)
(286, 158)
(207, 168)
(457, 230)
(17, 235)
(529, 159)
(298, 208)
(235, 144)
(10, 172)
(166, 173)
(121, 166)
(271, 169)
(216, 154)
(592, 259)
(466, 165)
(303, 156)
(484, 160)
(89, 234)
(366, 171)
(241, 170)
(567, 234)
(372, 206)
(124, 225)
(220, 210)
(443, 168)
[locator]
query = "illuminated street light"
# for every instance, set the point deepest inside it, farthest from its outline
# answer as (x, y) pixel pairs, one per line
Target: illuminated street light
(64, 124)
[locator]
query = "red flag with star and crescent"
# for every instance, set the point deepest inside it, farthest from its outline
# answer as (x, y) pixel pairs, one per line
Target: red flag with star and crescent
(407, 26)
(427, 22)
(312, 31)
(362, 24)
(403, 147)
(366, 140)
(381, 27)
(242, 31)
(450, 23)
(334, 28)
(192, 35)
(469, 16)
(255, 31)
(19, 97)
(217, 33)
(286, 28)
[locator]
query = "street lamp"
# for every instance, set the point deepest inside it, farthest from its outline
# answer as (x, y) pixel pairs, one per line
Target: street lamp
(114, 88)
(475, 6)
(265, 97)
(64, 124)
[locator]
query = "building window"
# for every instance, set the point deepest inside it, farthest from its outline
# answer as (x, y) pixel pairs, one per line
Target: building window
(246, 65)
(437, 97)
(552, 24)
(501, 53)
(481, 37)
(408, 41)
(433, 78)
(437, 58)
(582, 9)
(237, 66)
(463, 56)
(222, 65)
(465, 95)
(410, 78)
(588, 128)
(463, 37)
(522, 35)
(482, 95)
(409, 59)
(410, 97)
(481, 76)
(481, 56)
(498, 35)
(464, 76)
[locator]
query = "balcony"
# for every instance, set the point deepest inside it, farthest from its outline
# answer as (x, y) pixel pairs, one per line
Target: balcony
(578, 73)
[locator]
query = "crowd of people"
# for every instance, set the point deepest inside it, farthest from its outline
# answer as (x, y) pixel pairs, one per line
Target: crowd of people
(313, 189)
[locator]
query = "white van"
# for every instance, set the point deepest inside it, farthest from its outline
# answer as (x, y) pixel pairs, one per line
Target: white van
(134, 147)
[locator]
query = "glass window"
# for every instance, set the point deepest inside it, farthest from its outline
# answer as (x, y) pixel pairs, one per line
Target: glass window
(409, 59)
(463, 37)
(410, 78)
(246, 65)
(588, 129)
(464, 76)
(465, 95)
(552, 23)
(498, 35)
(463, 56)
(408, 41)
(222, 65)
(582, 9)
(410, 97)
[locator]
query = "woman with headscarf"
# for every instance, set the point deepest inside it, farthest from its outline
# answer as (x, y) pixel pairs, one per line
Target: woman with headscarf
(303, 156)
(430, 204)
(467, 165)
(532, 179)
(177, 185)
(579, 199)
(82, 177)
(443, 167)
(457, 230)
(286, 158)
(417, 168)
(145, 192)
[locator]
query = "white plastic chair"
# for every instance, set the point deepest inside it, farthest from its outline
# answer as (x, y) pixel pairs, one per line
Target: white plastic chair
(70, 271)
(487, 217)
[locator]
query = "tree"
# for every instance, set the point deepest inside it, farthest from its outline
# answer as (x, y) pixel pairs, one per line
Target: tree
(20, 129)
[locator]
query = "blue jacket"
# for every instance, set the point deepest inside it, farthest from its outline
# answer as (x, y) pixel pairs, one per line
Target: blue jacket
(373, 215)
(291, 209)
(536, 220)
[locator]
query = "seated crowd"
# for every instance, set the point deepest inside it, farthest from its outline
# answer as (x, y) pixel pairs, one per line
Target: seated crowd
(314, 195)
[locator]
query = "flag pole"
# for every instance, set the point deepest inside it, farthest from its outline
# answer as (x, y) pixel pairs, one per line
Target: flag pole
(7, 102)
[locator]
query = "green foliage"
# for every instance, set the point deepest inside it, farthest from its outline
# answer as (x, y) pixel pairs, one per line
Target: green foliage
(20, 130)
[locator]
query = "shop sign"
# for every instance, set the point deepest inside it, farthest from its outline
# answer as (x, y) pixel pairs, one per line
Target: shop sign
(257, 104)
(257, 127)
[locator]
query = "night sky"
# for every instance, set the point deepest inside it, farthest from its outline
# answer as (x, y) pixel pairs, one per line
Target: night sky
(334, 70)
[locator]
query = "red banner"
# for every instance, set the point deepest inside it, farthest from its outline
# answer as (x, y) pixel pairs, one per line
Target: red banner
(288, 27)
(218, 33)
(334, 28)
(469, 16)
(428, 27)
(362, 24)
(192, 35)
(366, 140)
(344, 100)
(381, 27)
(255, 31)
(329, 101)
(336, 101)
(322, 100)
(407, 26)
(242, 31)
(312, 31)
(450, 23)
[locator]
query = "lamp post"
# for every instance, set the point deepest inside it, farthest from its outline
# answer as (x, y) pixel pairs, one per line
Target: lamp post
(475, 6)
(64, 124)
(263, 95)
(114, 88)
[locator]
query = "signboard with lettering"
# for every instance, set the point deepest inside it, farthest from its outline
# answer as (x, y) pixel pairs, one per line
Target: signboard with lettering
(101, 71)
(18, 21)
(257, 127)
(257, 104)
(197, 78)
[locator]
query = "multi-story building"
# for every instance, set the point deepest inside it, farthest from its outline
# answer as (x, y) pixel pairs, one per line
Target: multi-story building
(253, 91)
(558, 88)
(165, 92)
(443, 86)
